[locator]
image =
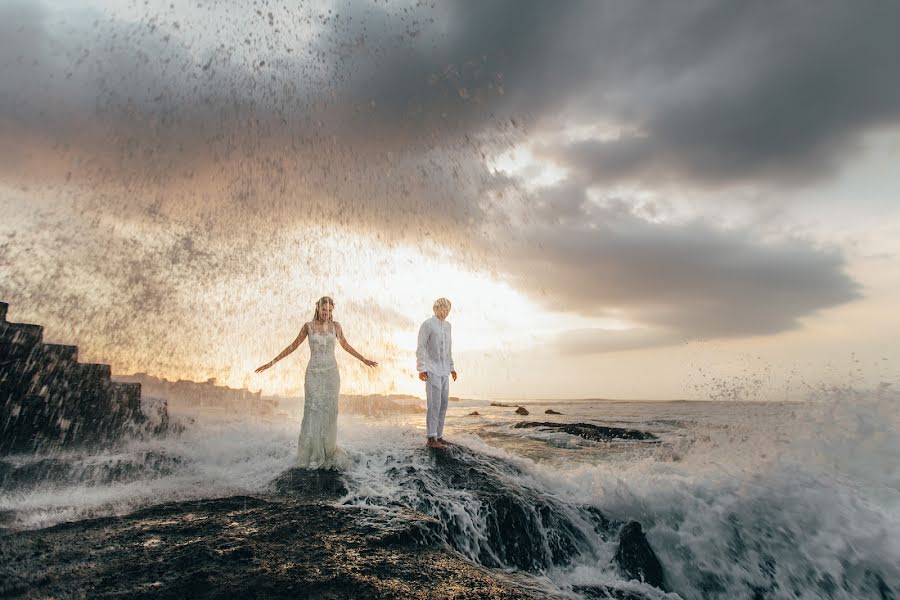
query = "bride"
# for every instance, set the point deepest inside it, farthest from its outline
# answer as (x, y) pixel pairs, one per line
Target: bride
(318, 430)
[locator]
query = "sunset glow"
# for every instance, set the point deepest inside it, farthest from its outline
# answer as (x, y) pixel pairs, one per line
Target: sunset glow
(181, 182)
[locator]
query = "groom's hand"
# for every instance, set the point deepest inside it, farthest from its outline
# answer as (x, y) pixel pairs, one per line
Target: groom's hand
(423, 376)
(453, 374)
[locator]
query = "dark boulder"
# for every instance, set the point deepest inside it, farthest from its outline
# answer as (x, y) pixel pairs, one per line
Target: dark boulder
(550, 411)
(521, 411)
(474, 413)
(522, 528)
(636, 559)
(310, 484)
(589, 431)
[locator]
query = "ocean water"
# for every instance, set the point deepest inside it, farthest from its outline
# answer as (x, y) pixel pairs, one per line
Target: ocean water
(737, 499)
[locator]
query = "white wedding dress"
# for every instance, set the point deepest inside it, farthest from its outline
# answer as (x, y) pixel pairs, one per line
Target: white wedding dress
(318, 432)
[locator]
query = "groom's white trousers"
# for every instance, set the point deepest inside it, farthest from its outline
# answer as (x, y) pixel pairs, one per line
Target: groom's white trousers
(437, 392)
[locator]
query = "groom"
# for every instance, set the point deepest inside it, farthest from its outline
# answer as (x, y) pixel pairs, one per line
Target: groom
(434, 362)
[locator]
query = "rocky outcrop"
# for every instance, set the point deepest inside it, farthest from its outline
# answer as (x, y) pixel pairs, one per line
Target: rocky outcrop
(521, 411)
(49, 399)
(636, 559)
(589, 431)
(550, 411)
(508, 524)
(289, 544)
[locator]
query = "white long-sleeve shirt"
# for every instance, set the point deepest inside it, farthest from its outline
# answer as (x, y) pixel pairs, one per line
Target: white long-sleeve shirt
(434, 352)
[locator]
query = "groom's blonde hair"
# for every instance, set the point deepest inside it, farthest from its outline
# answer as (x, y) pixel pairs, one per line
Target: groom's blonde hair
(441, 303)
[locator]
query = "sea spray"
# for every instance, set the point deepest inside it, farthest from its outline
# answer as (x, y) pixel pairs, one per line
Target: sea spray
(801, 503)
(210, 458)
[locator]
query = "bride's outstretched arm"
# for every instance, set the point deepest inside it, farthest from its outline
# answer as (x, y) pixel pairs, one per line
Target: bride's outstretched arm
(346, 346)
(304, 331)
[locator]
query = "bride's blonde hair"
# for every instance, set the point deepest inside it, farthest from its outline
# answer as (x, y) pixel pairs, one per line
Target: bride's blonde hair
(320, 302)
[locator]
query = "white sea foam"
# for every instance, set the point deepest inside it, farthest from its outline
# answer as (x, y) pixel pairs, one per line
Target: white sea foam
(209, 459)
(801, 507)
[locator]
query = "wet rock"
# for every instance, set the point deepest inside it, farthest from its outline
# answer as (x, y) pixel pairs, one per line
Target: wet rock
(244, 547)
(521, 528)
(474, 413)
(501, 404)
(310, 484)
(589, 431)
(636, 559)
(550, 411)
(521, 411)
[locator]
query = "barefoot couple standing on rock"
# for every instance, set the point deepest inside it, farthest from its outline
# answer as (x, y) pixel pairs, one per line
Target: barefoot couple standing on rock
(434, 362)
(317, 448)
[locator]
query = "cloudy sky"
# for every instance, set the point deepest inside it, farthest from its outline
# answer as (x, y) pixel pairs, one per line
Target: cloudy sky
(629, 200)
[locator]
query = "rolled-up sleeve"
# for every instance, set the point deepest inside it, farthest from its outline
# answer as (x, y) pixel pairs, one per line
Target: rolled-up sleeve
(422, 347)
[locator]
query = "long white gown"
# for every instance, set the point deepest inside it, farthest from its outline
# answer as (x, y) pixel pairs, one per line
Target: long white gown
(318, 432)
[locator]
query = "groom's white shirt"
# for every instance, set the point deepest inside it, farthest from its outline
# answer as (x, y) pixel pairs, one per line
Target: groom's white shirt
(434, 352)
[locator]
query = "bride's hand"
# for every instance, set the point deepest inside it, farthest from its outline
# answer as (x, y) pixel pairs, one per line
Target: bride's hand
(370, 363)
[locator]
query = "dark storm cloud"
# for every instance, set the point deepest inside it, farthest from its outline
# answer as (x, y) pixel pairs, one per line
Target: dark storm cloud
(245, 118)
(724, 92)
(676, 281)
(303, 113)
(714, 91)
(707, 91)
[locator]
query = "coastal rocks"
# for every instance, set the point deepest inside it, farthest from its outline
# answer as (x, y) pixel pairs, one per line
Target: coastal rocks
(636, 561)
(49, 399)
(474, 413)
(520, 527)
(550, 411)
(244, 547)
(589, 431)
(312, 484)
(520, 410)
(291, 540)
(635, 557)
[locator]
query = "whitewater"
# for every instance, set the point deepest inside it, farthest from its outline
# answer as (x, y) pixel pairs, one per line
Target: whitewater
(737, 499)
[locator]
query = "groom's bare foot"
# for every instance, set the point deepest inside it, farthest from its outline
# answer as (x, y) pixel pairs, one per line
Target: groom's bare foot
(442, 440)
(433, 443)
